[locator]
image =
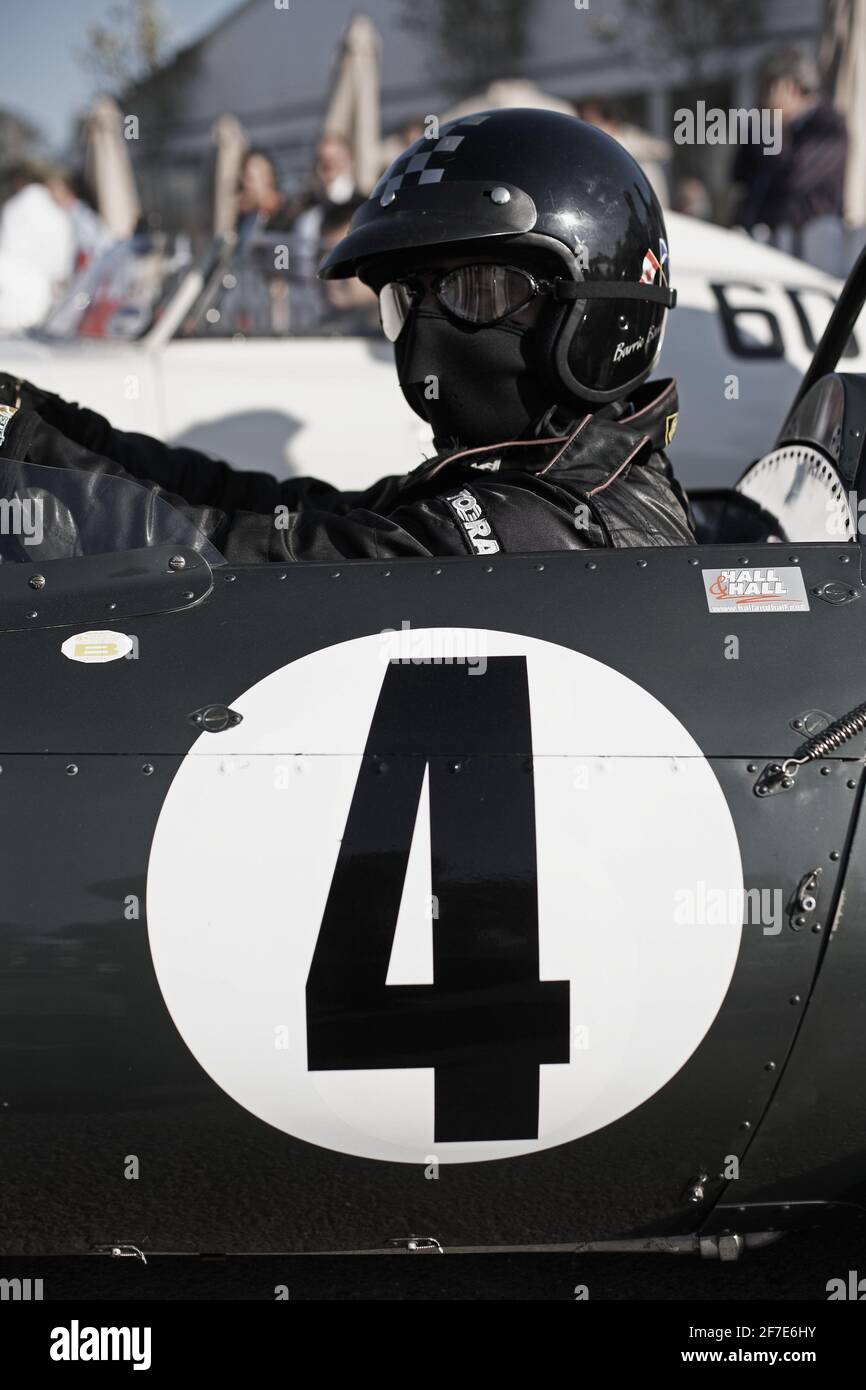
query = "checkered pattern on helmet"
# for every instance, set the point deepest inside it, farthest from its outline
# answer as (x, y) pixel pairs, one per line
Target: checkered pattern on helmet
(427, 165)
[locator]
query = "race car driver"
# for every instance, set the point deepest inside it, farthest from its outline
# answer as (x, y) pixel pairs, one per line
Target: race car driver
(521, 263)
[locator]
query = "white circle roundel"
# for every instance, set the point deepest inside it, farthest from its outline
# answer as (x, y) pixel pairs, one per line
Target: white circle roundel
(487, 939)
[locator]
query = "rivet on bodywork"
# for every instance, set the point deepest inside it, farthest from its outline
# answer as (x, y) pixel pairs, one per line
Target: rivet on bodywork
(177, 562)
(37, 581)
(71, 770)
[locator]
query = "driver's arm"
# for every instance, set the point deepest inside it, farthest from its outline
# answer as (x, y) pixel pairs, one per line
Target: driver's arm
(198, 479)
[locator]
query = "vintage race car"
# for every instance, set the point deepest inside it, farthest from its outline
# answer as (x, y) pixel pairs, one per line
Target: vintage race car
(257, 366)
(462, 904)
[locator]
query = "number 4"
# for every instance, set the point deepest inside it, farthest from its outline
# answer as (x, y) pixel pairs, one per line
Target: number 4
(488, 1022)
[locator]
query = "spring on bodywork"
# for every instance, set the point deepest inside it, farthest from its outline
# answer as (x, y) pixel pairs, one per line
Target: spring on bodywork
(831, 738)
(780, 777)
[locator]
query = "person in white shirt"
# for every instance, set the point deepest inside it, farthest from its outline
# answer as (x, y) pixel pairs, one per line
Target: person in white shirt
(37, 251)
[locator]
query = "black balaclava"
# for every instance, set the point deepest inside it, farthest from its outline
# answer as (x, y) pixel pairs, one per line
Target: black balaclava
(476, 385)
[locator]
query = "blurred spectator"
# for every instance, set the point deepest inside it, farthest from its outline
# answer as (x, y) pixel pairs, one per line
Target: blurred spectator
(393, 145)
(806, 180)
(332, 198)
(410, 132)
(91, 235)
(261, 205)
(691, 197)
(332, 190)
(650, 152)
(351, 306)
(37, 249)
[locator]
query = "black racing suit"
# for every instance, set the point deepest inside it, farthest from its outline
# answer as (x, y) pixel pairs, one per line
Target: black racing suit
(600, 480)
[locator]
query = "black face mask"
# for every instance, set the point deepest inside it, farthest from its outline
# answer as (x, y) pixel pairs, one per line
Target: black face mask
(475, 385)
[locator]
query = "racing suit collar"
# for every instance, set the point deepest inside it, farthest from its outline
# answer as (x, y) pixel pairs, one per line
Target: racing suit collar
(651, 413)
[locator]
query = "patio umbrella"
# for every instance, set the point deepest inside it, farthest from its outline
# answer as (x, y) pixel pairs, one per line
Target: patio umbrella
(108, 168)
(353, 106)
(512, 91)
(843, 61)
(231, 144)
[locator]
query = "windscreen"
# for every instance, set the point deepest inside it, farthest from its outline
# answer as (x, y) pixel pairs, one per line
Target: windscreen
(58, 513)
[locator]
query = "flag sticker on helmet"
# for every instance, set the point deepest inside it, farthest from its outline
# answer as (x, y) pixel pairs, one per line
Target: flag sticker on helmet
(476, 528)
(650, 269)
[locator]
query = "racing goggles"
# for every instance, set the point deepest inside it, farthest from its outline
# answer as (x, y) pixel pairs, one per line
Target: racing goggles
(487, 293)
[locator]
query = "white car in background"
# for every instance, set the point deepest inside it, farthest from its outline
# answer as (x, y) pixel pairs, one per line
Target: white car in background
(249, 364)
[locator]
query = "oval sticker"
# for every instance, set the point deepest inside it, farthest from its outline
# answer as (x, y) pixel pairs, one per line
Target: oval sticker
(94, 648)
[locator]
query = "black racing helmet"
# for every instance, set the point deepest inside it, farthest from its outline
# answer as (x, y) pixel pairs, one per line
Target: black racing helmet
(542, 180)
